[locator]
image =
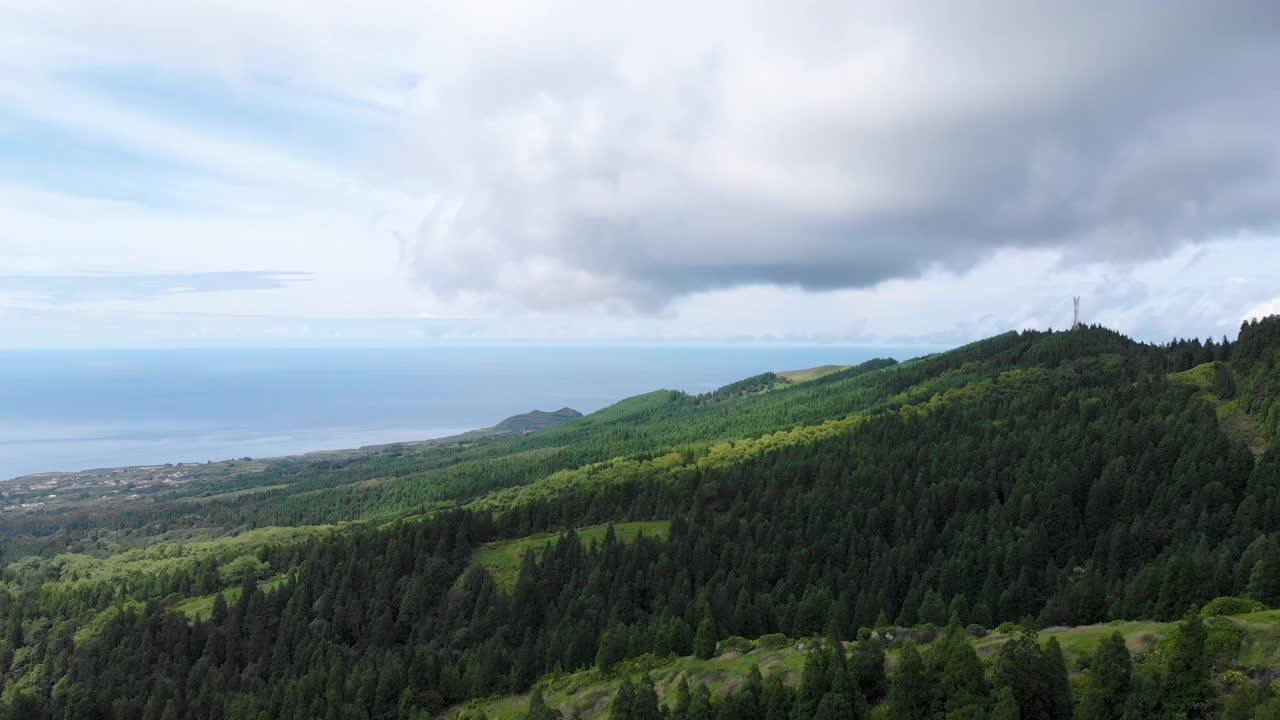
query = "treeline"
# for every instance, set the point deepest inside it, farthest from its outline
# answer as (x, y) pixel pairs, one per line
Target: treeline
(1025, 680)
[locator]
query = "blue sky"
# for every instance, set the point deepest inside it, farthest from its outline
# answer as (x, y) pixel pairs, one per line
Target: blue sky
(263, 174)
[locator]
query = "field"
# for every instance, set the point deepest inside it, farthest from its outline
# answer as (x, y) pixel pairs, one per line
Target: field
(503, 559)
(798, 376)
(235, 493)
(1238, 425)
(201, 608)
(1261, 647)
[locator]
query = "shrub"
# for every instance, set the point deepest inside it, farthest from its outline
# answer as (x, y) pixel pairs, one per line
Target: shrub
(233, 572)
(975, 631)
(773, 641)
(735, 643)
(1233, 679)
(1222, 643)
(925, 633)
(1231, 606)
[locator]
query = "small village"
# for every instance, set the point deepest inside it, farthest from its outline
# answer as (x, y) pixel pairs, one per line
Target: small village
(45, 491)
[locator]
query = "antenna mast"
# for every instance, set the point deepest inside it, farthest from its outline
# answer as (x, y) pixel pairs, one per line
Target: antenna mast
(1075, 320)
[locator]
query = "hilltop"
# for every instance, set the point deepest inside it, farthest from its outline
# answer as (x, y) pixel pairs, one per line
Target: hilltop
(537, 420)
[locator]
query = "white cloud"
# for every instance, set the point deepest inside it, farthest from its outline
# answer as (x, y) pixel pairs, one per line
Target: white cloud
(1263, 309)
(827, 171)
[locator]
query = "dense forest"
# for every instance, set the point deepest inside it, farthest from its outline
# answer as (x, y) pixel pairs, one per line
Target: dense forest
(884, 517)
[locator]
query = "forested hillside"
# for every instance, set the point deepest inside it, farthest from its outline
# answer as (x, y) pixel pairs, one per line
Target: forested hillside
(1038, 478)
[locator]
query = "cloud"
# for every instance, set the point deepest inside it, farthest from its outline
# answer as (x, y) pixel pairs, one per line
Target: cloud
(597, 155)
(1263, 309)
(571, 171)
(70, 289)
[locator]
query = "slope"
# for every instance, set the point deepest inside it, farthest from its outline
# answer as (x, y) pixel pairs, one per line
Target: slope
(1243, 642)
(1059, 477)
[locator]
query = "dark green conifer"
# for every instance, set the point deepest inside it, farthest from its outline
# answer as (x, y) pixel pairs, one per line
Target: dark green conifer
(911, 696)
(704, 642)
(1187, 689)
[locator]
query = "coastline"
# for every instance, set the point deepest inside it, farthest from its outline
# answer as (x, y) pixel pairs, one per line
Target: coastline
(38, 492)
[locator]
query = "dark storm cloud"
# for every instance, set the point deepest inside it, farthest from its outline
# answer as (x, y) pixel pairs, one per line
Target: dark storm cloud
(833, 147)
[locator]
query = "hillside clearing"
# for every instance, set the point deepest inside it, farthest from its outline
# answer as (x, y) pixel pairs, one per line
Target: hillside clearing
(503, 559)
(813, 373)
(1238, 425)
(201, 608)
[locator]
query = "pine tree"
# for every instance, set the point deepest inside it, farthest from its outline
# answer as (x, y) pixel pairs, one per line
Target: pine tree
(407, 708)
(538, 708)
(834, 706)
(700, 705)
(753, 693)
(730, 708)
(683, 700)
(868, 668)
(815, 681)
(1037, 678)
(1224, 382)
(777, 699)
(958, 610)
(1058, 682)
(672, 637)
(1187, 688)
(955, 674)
(645, 700)
(219, 609)
(704, 642)
(911, 695)
(1145, 698)
(1005, 707)
(623, 704)
(1239, 704)
(1109, 680)
(1264, 579)
(613, 647)
(933, 611)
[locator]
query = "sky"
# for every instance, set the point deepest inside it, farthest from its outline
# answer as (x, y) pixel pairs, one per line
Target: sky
(315, 173)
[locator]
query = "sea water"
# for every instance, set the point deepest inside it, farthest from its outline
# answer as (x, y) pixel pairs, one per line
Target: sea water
(80, 409)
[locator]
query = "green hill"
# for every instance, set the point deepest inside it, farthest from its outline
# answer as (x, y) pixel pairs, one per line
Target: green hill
(537, 420)
(1076, 482)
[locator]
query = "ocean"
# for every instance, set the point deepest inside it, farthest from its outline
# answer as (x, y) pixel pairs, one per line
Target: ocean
(82, 409)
